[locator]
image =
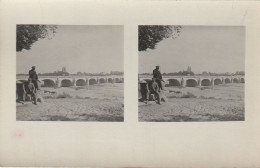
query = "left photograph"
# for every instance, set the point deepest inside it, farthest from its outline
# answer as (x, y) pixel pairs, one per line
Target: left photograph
(70, 73)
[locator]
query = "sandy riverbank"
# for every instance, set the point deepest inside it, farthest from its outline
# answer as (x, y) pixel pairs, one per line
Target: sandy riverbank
(102, 102)
(221, 103)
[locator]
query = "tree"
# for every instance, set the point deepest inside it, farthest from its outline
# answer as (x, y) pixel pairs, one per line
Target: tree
(27, 35)
(149, 36)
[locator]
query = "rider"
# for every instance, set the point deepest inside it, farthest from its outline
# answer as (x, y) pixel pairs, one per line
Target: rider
(34, 77)
(158, 76)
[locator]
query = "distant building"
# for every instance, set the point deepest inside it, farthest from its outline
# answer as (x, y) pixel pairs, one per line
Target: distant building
(189, 69)
(64, 69)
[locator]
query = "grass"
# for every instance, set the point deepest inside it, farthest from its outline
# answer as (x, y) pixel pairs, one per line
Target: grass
(188, 95)
(172, 96)
(81, 87)
(63, 95)
(204, 97)
(205, 87)
(79, 97)
(101, 117)
(49, 97)
(59, 96)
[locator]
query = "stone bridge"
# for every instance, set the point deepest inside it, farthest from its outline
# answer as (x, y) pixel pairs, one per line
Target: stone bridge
(67, 81)
(193, 81)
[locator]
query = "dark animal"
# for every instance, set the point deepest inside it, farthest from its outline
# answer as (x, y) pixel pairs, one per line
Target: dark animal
(148, 94)
(25, 91)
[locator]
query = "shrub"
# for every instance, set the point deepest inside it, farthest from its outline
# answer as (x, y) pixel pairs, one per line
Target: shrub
(78, 88)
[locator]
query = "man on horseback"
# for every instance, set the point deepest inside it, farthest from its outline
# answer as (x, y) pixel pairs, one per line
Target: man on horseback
(158, 76)
(34, 77)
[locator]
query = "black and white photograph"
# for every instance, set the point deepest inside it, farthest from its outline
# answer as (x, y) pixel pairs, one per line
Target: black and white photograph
(69, 73)
(191, 73)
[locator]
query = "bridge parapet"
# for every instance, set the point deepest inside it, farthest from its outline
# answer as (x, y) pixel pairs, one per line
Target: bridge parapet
(60, 81)
(198, 80)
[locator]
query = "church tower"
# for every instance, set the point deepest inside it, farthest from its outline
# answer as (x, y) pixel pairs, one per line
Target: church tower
(189, 69)
(64, 69)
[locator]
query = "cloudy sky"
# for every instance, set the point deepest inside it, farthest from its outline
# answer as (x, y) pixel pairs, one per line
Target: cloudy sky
(204, 48)
(90, 49)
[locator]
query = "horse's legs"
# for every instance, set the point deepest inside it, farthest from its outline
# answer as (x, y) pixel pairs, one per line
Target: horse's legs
(23, 96)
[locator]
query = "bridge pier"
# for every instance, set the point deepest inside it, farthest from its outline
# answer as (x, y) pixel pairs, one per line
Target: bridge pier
(199, 82)
(87, 82)
(212, 82)
(74, 83)
(58, 82)
(183, 82)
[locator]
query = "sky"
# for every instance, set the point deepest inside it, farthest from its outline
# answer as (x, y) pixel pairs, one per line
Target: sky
(90, 49)
(217, 49)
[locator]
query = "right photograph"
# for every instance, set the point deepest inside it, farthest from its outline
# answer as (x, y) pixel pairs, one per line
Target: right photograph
(191, 73)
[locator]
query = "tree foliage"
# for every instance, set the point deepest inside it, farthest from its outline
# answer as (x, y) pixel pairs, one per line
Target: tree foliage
(27, 35)
(149, 36)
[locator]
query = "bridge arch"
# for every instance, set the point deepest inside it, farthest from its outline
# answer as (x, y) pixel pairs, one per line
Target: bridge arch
(110, 80)
(191, 83)
(66, 83)
(235, 80)
(227, 80)
(217, 81)
(48, 83)
(102, 80)
(92, 81)
(242, 80)
(205, 82)
(117, 80)
(174, 82)
(80, 82)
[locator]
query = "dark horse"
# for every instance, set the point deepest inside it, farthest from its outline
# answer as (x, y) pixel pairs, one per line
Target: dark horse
(145, 91)
(23, 91)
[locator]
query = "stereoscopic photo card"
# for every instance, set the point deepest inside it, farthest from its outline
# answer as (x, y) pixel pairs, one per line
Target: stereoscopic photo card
(129, 83)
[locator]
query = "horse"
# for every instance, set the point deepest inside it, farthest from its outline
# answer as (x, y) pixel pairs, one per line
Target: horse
(145, 87)
(24, 92)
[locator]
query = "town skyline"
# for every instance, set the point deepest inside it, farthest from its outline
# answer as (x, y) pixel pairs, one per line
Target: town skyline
(189, 70)
(64, 72)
